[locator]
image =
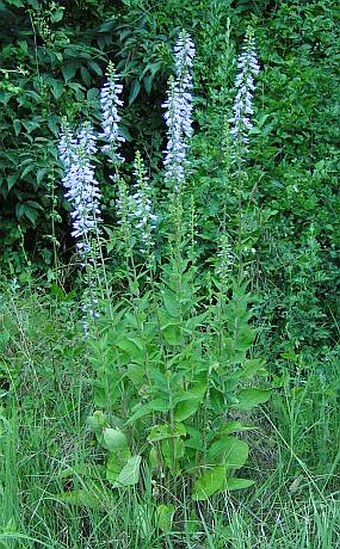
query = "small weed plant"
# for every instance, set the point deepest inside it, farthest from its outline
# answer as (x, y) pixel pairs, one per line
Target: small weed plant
(174, 375)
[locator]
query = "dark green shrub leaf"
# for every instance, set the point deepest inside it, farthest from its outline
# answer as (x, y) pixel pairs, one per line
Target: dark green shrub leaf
(134, 91)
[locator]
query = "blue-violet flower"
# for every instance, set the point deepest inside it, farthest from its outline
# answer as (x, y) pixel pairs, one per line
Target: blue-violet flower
(110, 102)
(178, 116)
(241, 122)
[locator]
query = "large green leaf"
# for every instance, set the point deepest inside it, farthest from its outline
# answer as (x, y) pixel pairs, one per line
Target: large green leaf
(229, 450)
(172, 450)
(129, 475)
(249, 398)
(173, 334)
(231, 427)
(133, 347)
(115, 464)
(188, 407)
(143, 410)
(114, 440)
(164, 517)
(162, 432)
(209, 483)
(252, 367)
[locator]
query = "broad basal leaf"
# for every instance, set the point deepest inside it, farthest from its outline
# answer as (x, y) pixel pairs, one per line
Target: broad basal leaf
(129, 475)
(211, 481)
(164, 517)
(114, 439)
(230, 451)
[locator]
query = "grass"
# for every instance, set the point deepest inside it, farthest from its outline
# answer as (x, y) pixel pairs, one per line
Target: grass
(51, 488)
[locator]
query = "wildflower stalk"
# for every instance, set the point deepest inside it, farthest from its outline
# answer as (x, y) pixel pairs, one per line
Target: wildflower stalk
(241, 124)
(82, 191)
(178, 116)
(178, 119)
(142, 215)
(110, 103)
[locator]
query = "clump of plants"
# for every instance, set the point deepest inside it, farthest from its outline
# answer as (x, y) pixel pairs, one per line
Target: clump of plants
(175, 375)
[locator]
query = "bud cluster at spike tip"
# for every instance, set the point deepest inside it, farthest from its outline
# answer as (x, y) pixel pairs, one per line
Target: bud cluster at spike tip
(178, 116)
(76, 153)
(241, 122)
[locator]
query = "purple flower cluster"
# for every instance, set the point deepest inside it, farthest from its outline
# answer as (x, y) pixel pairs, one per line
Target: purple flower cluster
(76, 154)
(178, 116)
(110, 103)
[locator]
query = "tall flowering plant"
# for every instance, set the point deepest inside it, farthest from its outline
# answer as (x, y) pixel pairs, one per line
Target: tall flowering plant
(82, 189)
(77, 153)
(237, 144)
(172, 371)
(178, 115)
(248, 66)
(110, 103)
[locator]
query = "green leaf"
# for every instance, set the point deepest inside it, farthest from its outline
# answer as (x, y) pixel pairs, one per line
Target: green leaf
(136, 373)
(142, 410)
(249, 398)
(172, 450)
(234, 427)
(230, 450)
(244, 338)
(147, 82)
(252, 367)
(188, 407)
(95, 67)
(57, 15)
(170, 303)
(209, 483)
(129, 475)
(164, 516)
(97, 422)
(17, 127)
(16, 3)
(114, 439)
(115, 464)
(237, 483)
(69, 70)
(80, 498)
(133, 347)
(11, 181)
(196, 440)
(92, 94)
(162, 432)
(134, 91)
(172, 334)
(86, 76)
